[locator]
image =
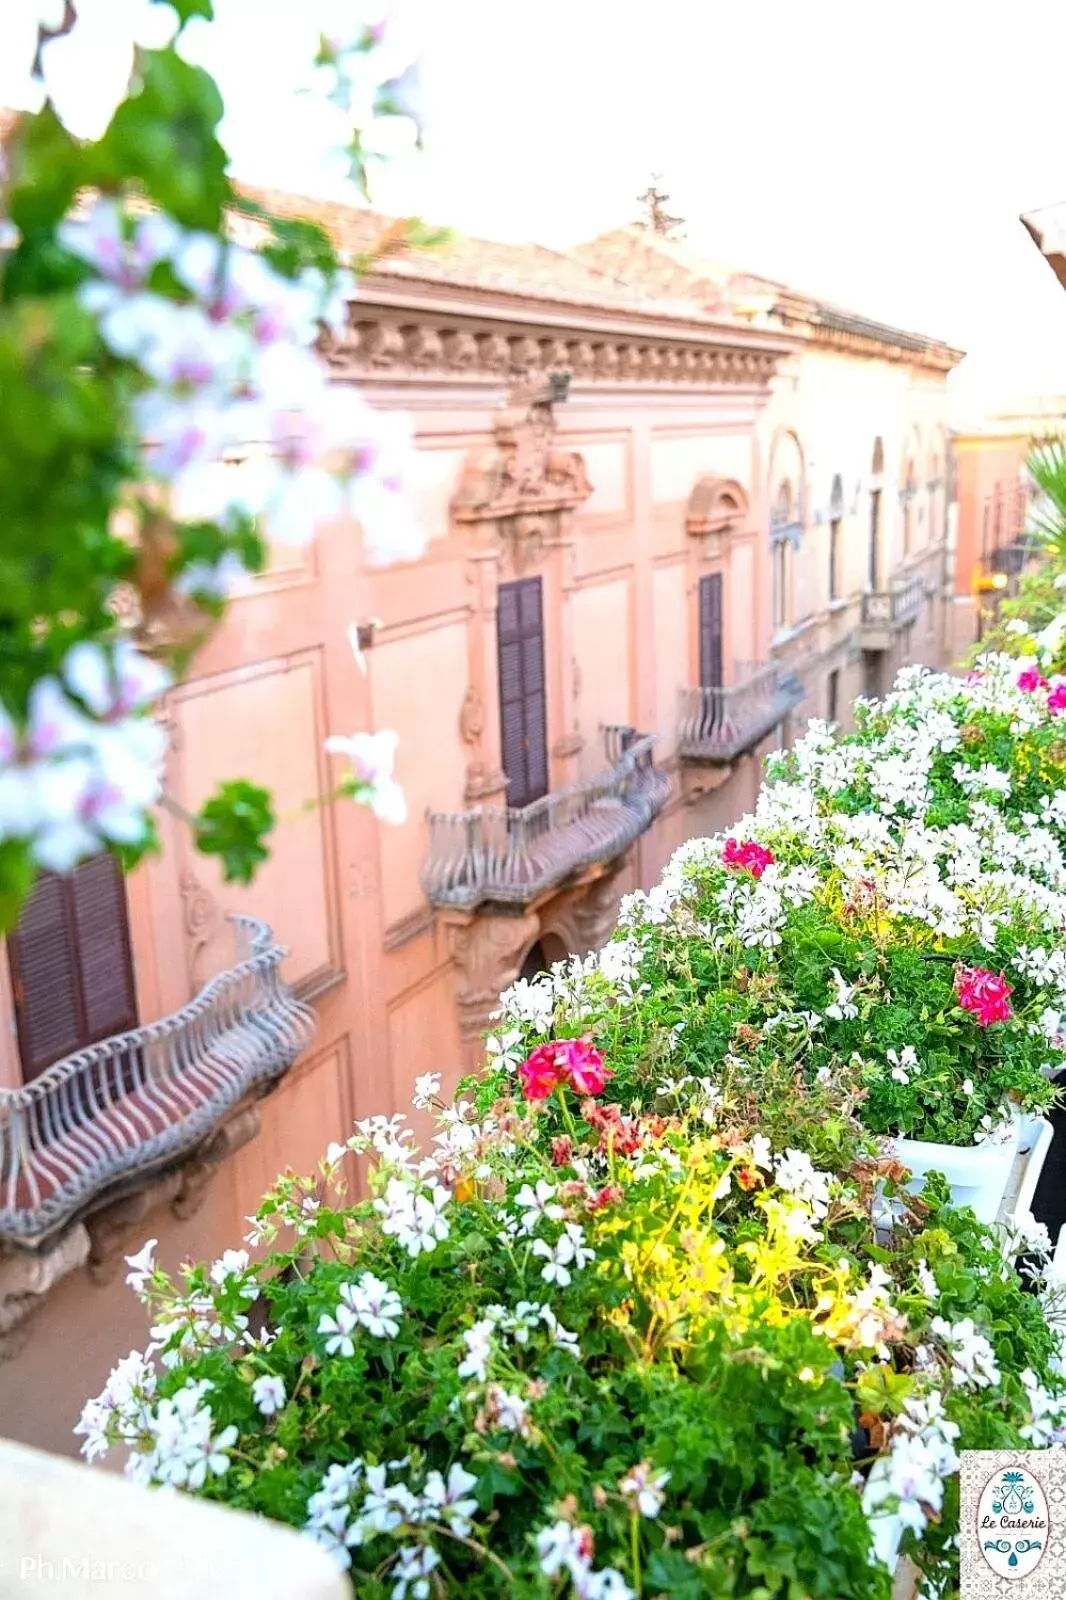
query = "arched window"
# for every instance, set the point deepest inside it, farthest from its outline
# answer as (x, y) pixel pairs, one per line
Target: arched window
(784, 529)
(907, 494)
(836, 518)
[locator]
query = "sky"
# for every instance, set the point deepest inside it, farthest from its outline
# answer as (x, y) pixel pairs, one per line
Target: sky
(874, 154)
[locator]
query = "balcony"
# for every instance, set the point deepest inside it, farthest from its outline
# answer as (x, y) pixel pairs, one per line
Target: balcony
(1011, 559)
(717, 725)
(886, 611)
(509, 856)
(97, 1122)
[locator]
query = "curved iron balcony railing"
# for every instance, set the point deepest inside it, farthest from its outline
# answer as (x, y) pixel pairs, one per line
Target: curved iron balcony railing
(717, 725)
(142, 1099)
(501, 854)
(894, 608)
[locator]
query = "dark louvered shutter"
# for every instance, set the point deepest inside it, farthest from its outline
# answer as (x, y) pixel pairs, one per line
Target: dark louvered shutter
(523, 705)
(70, 964)
(99, 899)
(44, 970)
(711, 631)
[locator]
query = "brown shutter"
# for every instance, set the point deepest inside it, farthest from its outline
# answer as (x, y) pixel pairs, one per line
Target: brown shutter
(523, 706)
(711, 631)
(99, 898)
(70, 963)
(44, 970)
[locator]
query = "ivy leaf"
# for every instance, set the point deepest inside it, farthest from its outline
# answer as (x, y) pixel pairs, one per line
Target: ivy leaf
(17, 873)
(232, 826)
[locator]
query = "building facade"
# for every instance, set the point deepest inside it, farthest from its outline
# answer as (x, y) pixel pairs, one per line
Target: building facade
(664, 528)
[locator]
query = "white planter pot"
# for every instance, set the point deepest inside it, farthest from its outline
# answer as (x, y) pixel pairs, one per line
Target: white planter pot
(1022, 1211)
(978, 1173)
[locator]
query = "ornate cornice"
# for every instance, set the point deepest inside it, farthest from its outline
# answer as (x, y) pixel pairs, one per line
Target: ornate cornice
(408, 345)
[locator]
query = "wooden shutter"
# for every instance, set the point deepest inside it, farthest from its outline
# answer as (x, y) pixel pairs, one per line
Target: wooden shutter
(70, 964)
(523, 703)
(99, 897)
(711, 631)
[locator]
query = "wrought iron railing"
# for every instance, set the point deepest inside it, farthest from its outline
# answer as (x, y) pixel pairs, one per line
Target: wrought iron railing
(895, 607)
(90, 1123)
(1012, 559)
(717, 725)
(508, 855)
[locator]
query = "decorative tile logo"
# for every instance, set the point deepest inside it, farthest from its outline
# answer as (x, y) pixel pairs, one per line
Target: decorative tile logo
(1012, 1529)
(1012, 1521)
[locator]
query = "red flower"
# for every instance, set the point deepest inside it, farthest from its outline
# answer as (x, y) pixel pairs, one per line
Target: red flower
(749, 856)
(984, 994)
(541, 1072)
(609, 1195)
(1056, 700)
(562, 1150)
(1030, 680)
(748, 1177)
(576, 1061)
(585, 1066)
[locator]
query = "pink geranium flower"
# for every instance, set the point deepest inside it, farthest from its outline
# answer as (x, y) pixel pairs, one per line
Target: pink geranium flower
(1031, 680)
(986, 995)
(749, 856)
(541, 1072)
(585, 1066)
(1056, 700)
(573, 1061)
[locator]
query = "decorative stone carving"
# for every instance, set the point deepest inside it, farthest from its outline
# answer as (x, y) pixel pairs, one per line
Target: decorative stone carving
(423, 346)
(554, 354)
(716, 507)
(487, 951)
(522, 483)
(525, 354)
(606, 364)
(595, 912)
(460, 349)
(629, 361)
(202, 921)
(495, 352)
(471, 717)
(380, 343)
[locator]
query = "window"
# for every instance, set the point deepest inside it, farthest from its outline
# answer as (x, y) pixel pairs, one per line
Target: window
(832, 695)
(834, 559)
(782, 527)
(71, 969)
(779, 557)
(523, 706)
(711, 631)
(875, 538)
(907, 497)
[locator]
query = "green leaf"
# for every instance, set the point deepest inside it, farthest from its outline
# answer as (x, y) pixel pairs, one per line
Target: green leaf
(187, 9)
(232, 826)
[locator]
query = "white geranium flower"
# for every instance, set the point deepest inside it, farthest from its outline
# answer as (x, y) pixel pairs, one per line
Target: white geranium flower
(373, 756)
(268, 1393)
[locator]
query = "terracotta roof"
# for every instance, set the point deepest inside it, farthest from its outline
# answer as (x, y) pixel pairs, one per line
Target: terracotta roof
(526, 269)
(672, 268)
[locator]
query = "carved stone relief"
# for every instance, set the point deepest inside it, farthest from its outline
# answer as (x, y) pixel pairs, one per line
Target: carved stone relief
(202, 920)
(487, 951)
(471, 717)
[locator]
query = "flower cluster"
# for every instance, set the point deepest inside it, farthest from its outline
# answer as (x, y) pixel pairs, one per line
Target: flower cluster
(985, 994)
(575, 1063)
(661, 1278)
